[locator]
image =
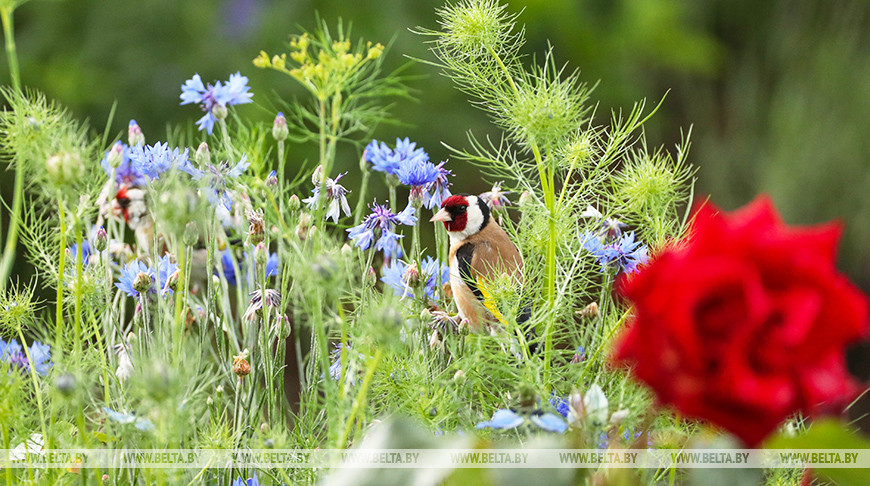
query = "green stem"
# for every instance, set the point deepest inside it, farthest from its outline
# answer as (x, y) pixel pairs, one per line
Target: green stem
(77, 323)
(360, 203)
(58, 337)
(360, 400)
(179, 302)
(18, 194)
(35, 381)
(6, 446)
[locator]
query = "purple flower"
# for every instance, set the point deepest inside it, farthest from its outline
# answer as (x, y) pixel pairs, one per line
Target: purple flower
(560, 404)
(254, 481)
(165, 268)
(13, 353)
(438, 188)
(125, 173)
(394, 276)
(385, 221)
(417, 174)
(218, 178)
(215, 97)
(624, 254)
(336, 194)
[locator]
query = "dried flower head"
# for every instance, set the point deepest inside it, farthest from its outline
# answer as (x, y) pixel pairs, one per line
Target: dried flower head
(241, 367)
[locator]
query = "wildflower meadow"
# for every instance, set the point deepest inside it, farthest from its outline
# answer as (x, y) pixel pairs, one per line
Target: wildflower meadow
(225, 312)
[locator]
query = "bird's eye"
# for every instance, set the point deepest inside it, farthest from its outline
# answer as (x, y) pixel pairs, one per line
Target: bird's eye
(461, 209)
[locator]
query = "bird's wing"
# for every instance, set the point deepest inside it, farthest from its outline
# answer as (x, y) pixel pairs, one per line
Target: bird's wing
(485, 258)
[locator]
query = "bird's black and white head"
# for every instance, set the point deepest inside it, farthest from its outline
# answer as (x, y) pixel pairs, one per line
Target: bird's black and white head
(463, 215)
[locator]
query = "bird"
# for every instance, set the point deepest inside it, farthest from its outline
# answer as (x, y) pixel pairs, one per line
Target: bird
(480, 251)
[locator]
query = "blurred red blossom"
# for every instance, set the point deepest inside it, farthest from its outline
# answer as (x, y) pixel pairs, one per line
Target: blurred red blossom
(745, 322)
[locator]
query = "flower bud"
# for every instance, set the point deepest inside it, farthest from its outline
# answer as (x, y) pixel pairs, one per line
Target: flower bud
(434, 339)
(65, 167)
(101, 240)
(371, 277)
(241, 367)
(525, 199)
(256, 226)
(279, 128)
(293, 203)
(346, 250)
(459, 375)
(209, 401)
(115, 155)
(219, 390)
(261, 254)
(219, 111)
(134, 134)
(172, 280)
(272, 180)
(264, 427)
(131, 336)
(142, 282)
(66, 384)
(317, 176)
(590, 311)
(411, 276)
(191, 234)
(203, 155)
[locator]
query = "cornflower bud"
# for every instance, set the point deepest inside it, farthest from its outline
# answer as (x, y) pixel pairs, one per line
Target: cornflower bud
(411, 276)
(256, 226)
(261, 254)
(317, 176)
(525, 199)
(293, 203)
(101, 240)
(172, 280)
(142, 282)
(134, 134)
(279, 129)
(116, 155)
(346, 250)
(191, 234)
(272, 180)
(203, 155)
(241, 367)
(220, 112)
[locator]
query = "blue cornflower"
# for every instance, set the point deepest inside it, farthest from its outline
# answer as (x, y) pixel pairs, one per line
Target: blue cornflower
(129, 275)
(560, 404)
(430, 272)
(218, 178)
(336, 194)
(502, 420)
(335, 366)
(384, 220)
(394, 276)
(254, 481)
(128, 418)
(227, 260)
(625, 254)
(549, 422)
(165, 269)
(153, 160)
(229, 269)
(126, 173)
(387, 160)
(438, 188)
(86, 252)
(417, 174)
(13, 353)
(215, 97)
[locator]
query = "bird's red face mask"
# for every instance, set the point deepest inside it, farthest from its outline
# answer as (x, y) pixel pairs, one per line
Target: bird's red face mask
(453, 213)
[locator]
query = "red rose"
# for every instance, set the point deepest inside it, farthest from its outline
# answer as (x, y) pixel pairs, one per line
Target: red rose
(745, 322)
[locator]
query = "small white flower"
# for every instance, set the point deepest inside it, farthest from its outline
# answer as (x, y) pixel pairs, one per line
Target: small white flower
(125, 366)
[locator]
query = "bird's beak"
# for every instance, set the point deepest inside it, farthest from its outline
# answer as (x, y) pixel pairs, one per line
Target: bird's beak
(442, 215)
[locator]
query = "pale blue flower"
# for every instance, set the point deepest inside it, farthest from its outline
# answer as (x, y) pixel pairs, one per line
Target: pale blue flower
(385, 221)
(165, 269)
(254, 481)
(502, 420)
(129, 274)
(549, 422)
(128, 418)
(153, 160)
(234, 92)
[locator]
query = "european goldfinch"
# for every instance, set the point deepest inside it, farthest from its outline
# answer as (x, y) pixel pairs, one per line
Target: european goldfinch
(480, 252)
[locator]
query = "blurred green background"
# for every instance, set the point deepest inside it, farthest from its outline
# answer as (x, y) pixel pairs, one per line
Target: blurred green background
(777, 92)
